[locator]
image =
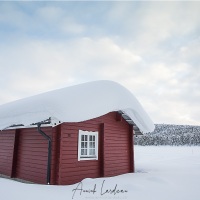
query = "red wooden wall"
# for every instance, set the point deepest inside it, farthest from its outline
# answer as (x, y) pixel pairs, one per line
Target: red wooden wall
(70, 169)
(23, 152)
(31, 161)
(7, 139)
(114, 149)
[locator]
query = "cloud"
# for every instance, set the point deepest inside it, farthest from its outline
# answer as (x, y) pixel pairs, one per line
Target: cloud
(56, 18)
(38, 65)
(50, 13)
(152, 48)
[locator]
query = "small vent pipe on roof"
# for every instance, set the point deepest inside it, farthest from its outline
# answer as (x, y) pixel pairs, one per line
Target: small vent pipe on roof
(49, 152)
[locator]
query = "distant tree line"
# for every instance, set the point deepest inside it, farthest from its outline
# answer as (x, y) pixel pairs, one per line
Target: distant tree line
(174, 135)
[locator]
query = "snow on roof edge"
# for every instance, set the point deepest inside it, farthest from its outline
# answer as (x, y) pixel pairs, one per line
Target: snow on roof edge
(74, 104)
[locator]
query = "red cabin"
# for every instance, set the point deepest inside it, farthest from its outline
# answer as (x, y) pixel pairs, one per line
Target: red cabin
(66, 135)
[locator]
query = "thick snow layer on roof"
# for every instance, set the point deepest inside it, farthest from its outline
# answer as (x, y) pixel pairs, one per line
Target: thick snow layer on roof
(75, 104)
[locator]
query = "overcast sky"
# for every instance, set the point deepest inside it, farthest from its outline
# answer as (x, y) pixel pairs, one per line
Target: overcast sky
(152, 48)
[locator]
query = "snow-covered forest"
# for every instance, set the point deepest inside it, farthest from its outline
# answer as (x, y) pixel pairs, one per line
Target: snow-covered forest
(166, 134)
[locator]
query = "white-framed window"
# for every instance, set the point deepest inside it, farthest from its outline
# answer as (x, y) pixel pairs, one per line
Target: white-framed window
(87, 145)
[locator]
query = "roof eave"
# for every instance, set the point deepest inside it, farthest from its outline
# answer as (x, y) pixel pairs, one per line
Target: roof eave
(136, 130)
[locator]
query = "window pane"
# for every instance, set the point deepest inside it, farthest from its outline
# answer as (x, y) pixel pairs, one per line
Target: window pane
(82, 137)
(82, 144)
(85, 146)
(93, 139)
(83, 152)
(92, 152)
(90, 146)
(90, 138)
(93, 144)
(86, 138)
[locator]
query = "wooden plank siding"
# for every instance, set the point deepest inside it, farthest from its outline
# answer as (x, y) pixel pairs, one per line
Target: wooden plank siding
(114, 149)
(32, 153)
(24, 152)
(131, 146)
(55, 155)
(7, 140)
(72, 170)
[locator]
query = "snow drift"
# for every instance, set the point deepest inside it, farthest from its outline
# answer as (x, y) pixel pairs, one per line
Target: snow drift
(75, 104)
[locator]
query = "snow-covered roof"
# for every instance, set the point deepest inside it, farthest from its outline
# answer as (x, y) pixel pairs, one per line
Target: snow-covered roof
(74, 104)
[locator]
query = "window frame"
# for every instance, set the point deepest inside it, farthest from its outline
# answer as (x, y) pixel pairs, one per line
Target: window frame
(88, 133)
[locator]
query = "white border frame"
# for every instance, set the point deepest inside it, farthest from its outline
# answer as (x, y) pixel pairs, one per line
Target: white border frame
(95, 133)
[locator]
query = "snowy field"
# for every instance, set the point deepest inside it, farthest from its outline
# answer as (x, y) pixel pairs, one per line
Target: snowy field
(162, 173)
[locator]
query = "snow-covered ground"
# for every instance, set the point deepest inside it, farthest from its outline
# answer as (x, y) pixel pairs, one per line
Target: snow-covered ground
(162, 173)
